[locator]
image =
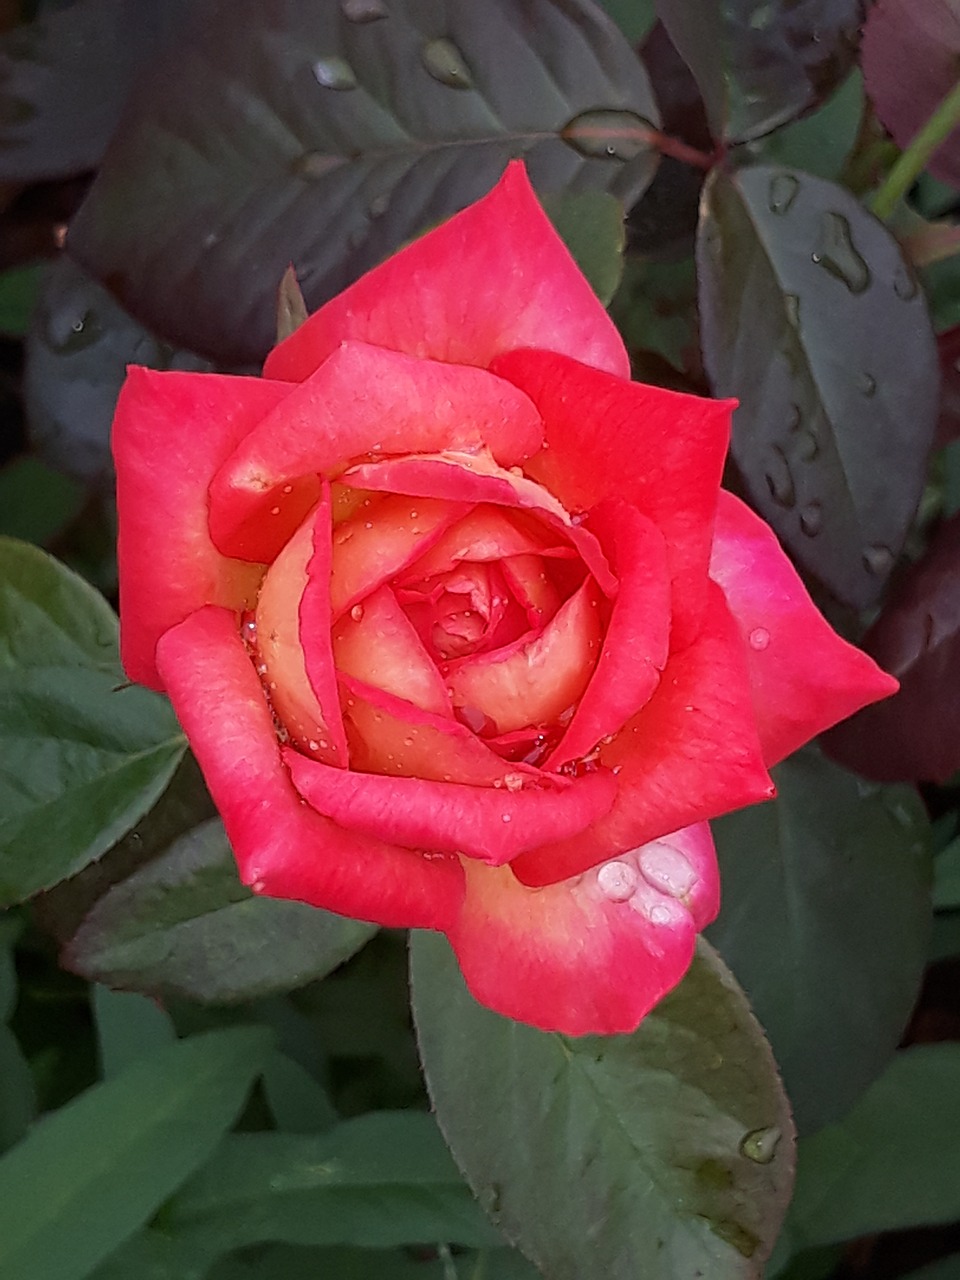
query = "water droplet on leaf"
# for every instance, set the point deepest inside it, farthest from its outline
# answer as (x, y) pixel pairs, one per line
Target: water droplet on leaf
(878, 559)
(444, 61)
(760, 1145)
(836, 253)
(334, 73)
(363, 10)
(607, 134)
(811, 518)
(779, 479)
(782, 193)
(905, 284)
(866, 384)
(792, 305)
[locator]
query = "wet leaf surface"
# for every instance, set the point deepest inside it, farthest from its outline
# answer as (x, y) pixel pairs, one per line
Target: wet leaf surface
(812, 318)
(327, 135)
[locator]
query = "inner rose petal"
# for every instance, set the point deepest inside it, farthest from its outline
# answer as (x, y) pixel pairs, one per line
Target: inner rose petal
(533, 681)
(486, 533)
(280, 656)
(370, 548)
(377, 643)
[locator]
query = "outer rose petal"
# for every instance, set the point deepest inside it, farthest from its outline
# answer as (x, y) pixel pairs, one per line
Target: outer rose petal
(594, 954)
(492, 824)
(494, 277)
(803, 676)
(170, 434)
(362, 400)
(283, 847)
(692, 753)
(661, 451)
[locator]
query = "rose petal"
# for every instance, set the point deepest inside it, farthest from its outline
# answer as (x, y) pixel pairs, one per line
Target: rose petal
(591, 955)
(294, 653)
(492, 824)
(692, 753)
(532, 587)
(362, 400)
(535, 680)
(376, 643)
(283, 847)
(494, 277)
(485, 533)
(637, 636)
(171, 432)
(464, 478)
(390, 735)
(660, 451)
(804, 677)
(378, 542)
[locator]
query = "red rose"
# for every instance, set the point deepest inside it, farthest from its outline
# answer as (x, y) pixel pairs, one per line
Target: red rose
(460, 625)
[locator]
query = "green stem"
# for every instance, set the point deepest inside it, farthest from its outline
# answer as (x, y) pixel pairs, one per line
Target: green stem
(913, 160)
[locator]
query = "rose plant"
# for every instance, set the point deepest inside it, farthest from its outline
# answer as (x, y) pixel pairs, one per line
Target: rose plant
(461, 627)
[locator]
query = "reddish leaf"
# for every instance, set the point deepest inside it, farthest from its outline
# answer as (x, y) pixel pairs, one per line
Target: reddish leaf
(916, 734)
(910, 53)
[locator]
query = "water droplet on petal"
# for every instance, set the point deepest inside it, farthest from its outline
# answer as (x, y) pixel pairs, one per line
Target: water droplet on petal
(334, 73)
(444, 61)
(363, 10)
(314, 746)
(811, 519)
(506, 817)
(258, 886)
(836, 253)
(617, 881)
(782, 193)
(665, 868)
(779, 479)
(513, 781)
(759, 1145)
(356, 613)
(759, 638)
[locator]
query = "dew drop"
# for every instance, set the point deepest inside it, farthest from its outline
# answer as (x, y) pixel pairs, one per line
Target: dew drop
(660, 914)
(866, 384)
(314, 746)
(444, 61)
(795, 418)
(513, 781)
(363, 10)
(506, 817)
(608, 135)
(759, 638)
(258, 886)
(806, 445)
(782, 192)
(617, 881)
(905, 283)
(665, 868)
(811, 518)
(356, 613)
(878, 559)
(792, 304)
(779, 479)
(760, 1145)
(836, 253)
(334, 73)
(287, 488)
(274, 511)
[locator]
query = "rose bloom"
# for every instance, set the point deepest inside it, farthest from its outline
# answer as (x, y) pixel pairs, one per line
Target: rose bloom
(460, 625)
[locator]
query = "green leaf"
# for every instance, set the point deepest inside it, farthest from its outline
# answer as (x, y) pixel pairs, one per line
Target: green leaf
(821, 142)
(36, 503)
(893, 1162)
(380, 1180)
(285, 131)
(93, 1172)
(81, 758)
(292, 1262)
(945, 1269)
(663, 1154)
(18, 290)
(946, 936)
(633, 17)
(129, 1027)
(185, 925)
(590, 223)
(810, 315)
(759, 66)
(826, 923)
(298, 1101)
(946, 877)
(18, 1097)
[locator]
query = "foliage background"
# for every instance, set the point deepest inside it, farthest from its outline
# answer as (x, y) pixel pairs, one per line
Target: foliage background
(768, 200)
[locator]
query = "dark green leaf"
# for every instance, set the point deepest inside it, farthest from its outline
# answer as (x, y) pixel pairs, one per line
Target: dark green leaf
(78, 347)
(18, 1102)
(760, 65)
(826, 923)
(946, 877)
(328, 135)
(36, 503)
(81, 758)
(633, 17)
(811, 317)
(591, 225)
(92, 1173)
(298, 1101)
(945, 1269)
(154, 1255)
(185, 925)
(945, 941)
(893, 1162)
(663, 1154)
(18, 290)
(65, 78)
(129, 1027)
(380, 1180)
(293, 1262)
(819, 143)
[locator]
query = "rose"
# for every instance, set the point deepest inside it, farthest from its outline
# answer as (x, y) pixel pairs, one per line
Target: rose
(461, 628)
